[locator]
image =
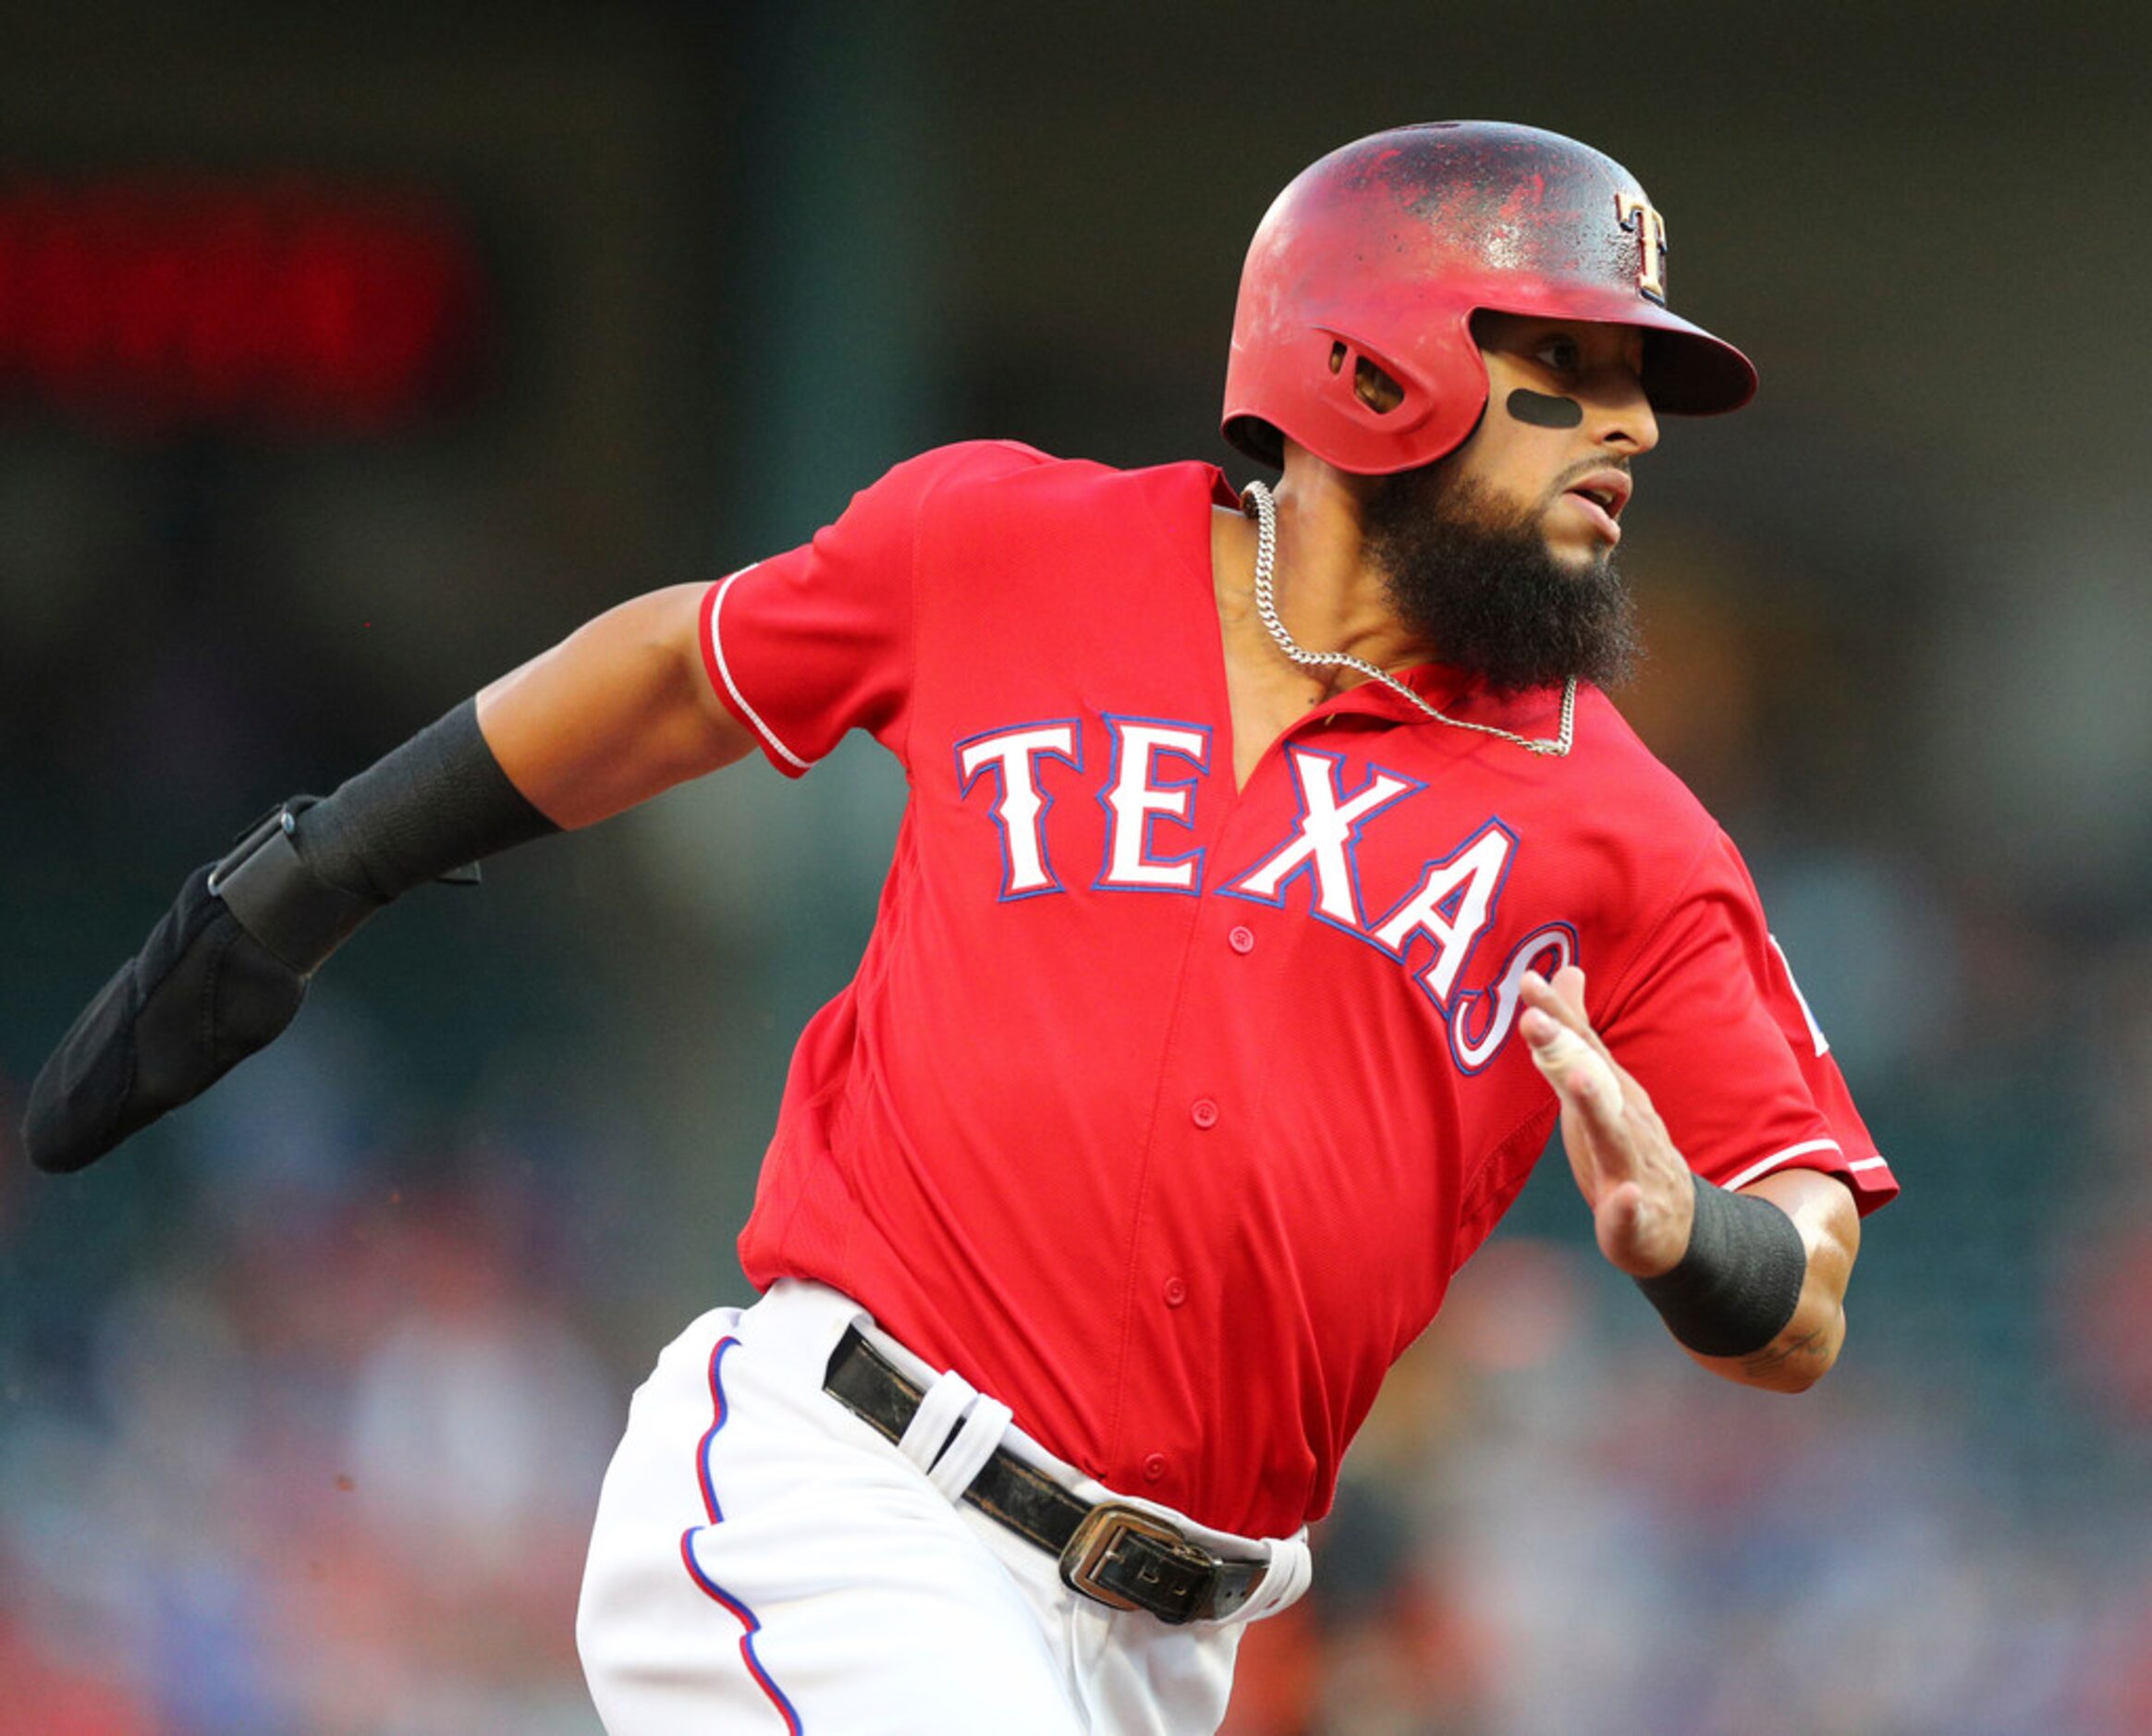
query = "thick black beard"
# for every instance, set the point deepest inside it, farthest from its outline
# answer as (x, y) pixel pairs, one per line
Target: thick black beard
(1477, 584)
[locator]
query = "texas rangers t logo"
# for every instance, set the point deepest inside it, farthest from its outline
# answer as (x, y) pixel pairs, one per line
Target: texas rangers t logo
(1633, 214)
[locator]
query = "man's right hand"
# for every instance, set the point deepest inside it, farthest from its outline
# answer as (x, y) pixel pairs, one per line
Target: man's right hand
(200, 997)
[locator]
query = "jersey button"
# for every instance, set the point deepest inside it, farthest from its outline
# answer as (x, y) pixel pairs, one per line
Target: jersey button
(1241, 939)
(1175, 1292)
(1154, 1467)
(1203, 1113)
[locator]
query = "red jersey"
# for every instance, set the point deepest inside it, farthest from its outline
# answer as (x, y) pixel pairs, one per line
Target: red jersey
(1163, 1110)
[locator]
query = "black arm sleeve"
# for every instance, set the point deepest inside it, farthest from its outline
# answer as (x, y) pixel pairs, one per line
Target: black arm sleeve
(438, 801)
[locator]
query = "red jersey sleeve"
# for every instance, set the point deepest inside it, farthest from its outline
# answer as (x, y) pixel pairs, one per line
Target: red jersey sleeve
(810, 643)
(1709, 1019)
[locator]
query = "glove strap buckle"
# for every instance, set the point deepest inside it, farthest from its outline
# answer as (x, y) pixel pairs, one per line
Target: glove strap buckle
(277, 898)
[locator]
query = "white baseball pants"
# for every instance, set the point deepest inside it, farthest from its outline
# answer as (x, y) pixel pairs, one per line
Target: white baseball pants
(765, 1561)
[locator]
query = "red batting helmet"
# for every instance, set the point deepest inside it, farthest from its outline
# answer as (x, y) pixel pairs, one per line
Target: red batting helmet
(1373, 261)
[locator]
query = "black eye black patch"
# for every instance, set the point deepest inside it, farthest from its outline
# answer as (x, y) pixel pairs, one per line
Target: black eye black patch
(1543, 412)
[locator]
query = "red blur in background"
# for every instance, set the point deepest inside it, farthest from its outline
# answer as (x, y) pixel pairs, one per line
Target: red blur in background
(159, 303)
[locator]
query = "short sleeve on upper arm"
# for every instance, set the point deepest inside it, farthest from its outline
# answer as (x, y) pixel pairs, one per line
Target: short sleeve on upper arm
(814, 641)
(807, 644)
(1709, 1019)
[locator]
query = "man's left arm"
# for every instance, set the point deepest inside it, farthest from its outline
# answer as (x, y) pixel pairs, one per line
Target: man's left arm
(1751, 1281)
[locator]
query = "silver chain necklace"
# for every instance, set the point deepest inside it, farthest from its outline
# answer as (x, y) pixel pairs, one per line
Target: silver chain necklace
(1267, 606)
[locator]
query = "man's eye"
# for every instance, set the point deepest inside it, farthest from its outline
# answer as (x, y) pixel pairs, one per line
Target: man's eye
(1560, 354)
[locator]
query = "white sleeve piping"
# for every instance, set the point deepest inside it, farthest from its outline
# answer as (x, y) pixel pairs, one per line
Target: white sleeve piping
(1787, 1155)
(724, 669)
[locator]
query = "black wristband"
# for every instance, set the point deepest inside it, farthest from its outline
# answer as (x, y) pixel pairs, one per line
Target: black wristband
(438, 802)
(303, 879)
(1738, 1284)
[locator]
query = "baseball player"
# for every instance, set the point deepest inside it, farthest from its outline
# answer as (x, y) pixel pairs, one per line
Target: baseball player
(1275, 875)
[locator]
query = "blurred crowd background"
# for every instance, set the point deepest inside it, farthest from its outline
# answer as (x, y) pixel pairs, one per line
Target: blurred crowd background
(348, 359)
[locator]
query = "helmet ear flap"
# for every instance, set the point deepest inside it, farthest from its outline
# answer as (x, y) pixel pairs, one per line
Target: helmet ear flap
(1348, 395)
(1363, 385)
(1406, 400)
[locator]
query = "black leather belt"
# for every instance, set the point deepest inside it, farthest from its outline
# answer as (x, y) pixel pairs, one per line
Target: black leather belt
(1119, 1555)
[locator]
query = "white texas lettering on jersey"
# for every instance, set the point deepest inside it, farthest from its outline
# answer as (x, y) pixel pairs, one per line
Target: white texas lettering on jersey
(1137, 792)
(1158, 768)
(1329, 829)
(1475, 1035)
(1013, 756)
(1449, 908)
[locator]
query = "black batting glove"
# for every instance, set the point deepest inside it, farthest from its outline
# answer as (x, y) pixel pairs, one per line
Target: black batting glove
(224, 971)
(200, 997)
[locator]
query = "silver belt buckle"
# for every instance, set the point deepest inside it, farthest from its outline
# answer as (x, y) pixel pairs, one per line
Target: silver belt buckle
(1097, 1538)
